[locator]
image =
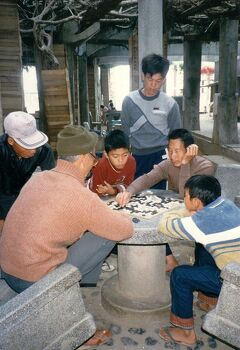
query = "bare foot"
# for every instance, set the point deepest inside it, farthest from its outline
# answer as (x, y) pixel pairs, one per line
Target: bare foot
(171, 262)
(179, 335)
(205, 306)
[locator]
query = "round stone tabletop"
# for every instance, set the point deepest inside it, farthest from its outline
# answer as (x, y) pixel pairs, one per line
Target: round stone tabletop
(145, 230)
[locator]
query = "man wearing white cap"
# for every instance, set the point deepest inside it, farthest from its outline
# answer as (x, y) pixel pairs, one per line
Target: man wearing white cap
(23, 148)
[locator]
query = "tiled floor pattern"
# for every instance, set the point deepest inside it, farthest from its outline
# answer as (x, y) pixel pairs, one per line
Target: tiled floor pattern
(139, 333)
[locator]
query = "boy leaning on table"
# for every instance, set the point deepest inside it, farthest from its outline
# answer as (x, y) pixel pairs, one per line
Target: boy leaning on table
(214, 224)
(116, 169)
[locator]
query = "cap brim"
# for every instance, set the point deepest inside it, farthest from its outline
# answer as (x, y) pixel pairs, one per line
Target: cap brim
(34, 141)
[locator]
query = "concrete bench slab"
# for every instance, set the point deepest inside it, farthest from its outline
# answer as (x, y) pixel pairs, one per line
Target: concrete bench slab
(228, 174)
(224, 320)
(48, 315)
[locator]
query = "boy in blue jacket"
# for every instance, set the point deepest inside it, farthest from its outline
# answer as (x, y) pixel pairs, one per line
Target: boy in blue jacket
(214, 224)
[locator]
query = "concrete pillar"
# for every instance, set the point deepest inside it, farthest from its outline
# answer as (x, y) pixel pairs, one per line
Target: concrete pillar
(150, 28)
(225, 126)
(135, 263)
(140, 287)
(192, 74)
(105, 85)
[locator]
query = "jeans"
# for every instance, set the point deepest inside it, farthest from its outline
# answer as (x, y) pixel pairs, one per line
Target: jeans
(17, 284)
(145, 164)
(204, 276)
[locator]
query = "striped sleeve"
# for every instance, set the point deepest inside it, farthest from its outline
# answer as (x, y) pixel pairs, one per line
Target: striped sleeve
(171, 225)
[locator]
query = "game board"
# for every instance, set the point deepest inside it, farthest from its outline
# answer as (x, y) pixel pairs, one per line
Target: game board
(146, 206)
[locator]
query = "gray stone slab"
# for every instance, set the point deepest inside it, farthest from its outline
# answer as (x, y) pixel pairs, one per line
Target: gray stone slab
(228, 176)
(48, 315)
(224, 320)
(222, 328)
(231, 273)
(6, 293)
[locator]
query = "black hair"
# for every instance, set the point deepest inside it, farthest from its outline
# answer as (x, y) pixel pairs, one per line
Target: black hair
(116, 139)
(184, 135)
(153, 64)
(204, 187)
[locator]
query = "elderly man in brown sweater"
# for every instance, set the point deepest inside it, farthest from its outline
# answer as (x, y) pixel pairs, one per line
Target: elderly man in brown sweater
(183, 162)
(47, 224)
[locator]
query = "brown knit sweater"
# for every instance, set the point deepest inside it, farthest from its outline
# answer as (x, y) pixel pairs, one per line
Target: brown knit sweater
(52, 211)
(175, 176)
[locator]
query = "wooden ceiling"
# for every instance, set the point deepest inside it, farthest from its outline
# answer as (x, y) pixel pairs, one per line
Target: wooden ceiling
(198, 18)
(44, 19)
(179, 15)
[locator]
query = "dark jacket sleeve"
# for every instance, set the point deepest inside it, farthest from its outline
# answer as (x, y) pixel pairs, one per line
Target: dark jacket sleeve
(46, 158)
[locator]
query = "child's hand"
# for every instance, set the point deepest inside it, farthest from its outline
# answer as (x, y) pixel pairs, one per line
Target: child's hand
(106, 189)
(123, 198)
(192, 151)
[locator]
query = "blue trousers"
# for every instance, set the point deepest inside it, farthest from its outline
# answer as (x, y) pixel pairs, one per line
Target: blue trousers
(145, 163)
(204, 276)
(87, 254)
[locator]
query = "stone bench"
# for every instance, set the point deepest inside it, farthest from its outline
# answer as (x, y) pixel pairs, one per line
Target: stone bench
(228, 174)
(224, 320)
(49, 315)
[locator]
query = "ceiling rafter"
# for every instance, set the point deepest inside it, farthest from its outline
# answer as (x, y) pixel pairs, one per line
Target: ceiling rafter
(181, 17)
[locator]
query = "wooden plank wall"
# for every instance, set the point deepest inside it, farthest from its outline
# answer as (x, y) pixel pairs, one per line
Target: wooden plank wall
(56, 96)
(91, 90)
(10, 58)
(133, 61)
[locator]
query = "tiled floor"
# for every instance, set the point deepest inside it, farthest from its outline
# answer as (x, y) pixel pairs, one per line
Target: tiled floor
(141, 332)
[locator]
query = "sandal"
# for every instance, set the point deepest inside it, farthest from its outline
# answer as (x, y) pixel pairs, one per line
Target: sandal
(167, 336)
(99, 338)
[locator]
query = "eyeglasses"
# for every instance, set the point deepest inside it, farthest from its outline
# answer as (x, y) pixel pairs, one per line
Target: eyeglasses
(94, 157)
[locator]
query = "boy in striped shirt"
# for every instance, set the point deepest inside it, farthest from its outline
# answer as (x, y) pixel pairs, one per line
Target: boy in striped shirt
(214, 224)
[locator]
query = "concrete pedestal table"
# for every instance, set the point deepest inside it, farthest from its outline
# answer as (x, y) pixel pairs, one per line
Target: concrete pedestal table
(140, 285)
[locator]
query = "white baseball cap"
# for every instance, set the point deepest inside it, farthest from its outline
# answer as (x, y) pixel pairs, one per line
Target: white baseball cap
(22, 128)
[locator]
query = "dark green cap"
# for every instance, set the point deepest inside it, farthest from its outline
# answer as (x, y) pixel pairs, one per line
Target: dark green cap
(74, 140)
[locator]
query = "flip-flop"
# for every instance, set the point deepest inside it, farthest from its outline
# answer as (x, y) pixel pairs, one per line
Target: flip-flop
(99, 338)
(168, 337)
